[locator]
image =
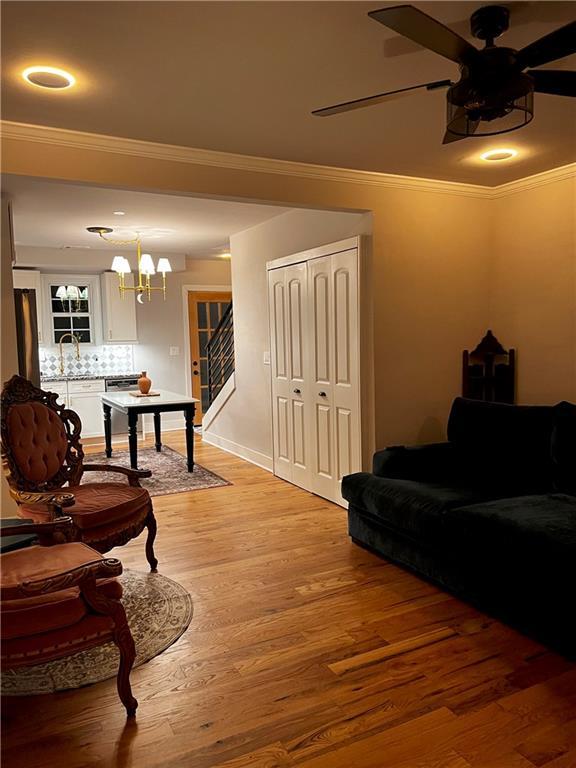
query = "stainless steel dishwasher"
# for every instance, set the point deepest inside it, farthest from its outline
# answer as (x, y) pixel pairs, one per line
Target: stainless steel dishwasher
(119, 420)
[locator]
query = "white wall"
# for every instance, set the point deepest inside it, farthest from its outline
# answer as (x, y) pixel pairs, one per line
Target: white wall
(161, 326)
(245, 423)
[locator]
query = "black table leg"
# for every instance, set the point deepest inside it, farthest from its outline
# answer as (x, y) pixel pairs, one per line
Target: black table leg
(108, 429)
(157, 431)
(189, 418)
(133, 438)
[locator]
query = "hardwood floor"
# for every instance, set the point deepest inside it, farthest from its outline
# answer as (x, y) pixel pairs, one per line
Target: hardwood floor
(307, 651)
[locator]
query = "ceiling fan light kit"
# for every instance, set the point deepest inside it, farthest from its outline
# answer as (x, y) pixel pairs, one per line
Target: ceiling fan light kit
(495, 92)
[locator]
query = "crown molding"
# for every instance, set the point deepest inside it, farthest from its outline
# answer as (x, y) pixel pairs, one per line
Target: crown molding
(562, 173)
(61, 137)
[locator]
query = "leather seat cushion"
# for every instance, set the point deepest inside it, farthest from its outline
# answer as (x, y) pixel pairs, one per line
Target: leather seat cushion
(27, 616)
(96, 504)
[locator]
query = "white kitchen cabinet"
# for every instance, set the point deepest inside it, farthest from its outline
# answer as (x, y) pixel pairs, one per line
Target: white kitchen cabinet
(84, 398)
(31, 279)
(118, 312)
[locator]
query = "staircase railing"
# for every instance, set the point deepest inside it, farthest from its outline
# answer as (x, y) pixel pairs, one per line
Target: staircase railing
(220, 353)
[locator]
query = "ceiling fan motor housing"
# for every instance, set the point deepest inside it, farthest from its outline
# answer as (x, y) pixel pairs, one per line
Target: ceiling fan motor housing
(490, 22)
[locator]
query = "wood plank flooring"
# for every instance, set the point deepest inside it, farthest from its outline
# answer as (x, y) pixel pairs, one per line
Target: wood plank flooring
(306, 651)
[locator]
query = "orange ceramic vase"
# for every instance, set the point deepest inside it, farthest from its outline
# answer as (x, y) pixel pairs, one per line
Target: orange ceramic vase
(144, 383)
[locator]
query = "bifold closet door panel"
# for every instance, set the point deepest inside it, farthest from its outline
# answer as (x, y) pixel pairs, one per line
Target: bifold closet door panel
(298, 372)
(321, 425)
(346, 381)
(279, 355)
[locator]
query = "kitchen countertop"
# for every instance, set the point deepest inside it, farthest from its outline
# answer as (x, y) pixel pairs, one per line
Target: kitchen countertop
(89, 377)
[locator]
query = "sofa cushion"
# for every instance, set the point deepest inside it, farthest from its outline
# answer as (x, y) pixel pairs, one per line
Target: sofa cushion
(504, 447)
(413, 508)
(527, 535)
(96, 504)
(564, 447)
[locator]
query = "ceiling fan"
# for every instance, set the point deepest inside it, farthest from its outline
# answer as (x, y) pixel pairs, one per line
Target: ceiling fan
(494, 93)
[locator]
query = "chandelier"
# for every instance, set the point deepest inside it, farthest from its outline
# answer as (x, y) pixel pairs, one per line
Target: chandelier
(146, 270)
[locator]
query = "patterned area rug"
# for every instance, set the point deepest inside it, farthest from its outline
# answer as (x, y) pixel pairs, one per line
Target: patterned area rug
(169, 472)
(159, 611)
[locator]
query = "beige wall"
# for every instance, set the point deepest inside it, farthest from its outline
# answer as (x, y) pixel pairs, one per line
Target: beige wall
(161, 324)
(9, 355)
(533, 288)
(433, 253)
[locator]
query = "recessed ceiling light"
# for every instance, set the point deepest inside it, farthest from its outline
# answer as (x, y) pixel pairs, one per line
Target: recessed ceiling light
(51, 78)
(226, 255)
(495, 155)
(119, 213)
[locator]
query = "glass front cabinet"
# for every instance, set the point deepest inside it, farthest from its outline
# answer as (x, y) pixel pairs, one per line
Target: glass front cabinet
(72, 307)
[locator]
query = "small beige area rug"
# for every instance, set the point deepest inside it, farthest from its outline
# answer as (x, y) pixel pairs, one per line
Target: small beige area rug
(159, 611)
(169, 471)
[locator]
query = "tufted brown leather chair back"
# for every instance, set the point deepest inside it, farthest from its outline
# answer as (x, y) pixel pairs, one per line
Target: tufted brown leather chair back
(40, 439)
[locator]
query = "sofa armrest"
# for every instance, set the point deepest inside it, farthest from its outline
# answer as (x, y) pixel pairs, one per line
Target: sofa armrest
(433, 462)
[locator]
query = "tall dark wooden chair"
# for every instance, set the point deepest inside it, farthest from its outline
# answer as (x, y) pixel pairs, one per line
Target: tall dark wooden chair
(43, 461)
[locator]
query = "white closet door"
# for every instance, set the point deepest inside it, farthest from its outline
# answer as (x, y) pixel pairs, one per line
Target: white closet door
(279, 355)
(298, 364)
(346, 383)
(315, 359)
(289, 359)
(320, 300)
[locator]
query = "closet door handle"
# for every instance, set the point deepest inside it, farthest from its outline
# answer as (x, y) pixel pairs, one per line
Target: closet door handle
(297, 392)
(322, 394)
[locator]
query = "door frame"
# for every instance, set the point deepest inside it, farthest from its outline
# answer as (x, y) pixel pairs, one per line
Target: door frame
(186, 289)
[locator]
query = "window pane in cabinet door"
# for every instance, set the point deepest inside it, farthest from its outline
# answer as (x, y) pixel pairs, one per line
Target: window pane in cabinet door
(81, 323)
(61, 323)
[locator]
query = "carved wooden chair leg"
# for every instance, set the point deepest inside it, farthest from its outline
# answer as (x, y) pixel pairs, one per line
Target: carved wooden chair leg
(150, 556)
(125, 642)
(122, 637)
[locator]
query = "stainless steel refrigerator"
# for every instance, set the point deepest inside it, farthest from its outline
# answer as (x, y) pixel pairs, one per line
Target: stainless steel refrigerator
(27, 334)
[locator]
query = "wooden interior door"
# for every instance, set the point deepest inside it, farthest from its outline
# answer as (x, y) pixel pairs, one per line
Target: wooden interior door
(205, 310)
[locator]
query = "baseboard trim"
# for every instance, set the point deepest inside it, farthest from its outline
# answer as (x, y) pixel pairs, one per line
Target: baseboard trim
(254, 457)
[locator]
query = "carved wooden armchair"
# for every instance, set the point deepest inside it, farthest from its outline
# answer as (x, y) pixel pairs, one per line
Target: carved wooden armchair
(60, 599)
(41, 453)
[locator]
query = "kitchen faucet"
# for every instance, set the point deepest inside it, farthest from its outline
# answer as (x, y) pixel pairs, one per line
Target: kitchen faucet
(75, 340)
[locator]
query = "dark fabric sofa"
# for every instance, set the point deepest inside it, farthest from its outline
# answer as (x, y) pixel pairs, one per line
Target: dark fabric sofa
(490, 514)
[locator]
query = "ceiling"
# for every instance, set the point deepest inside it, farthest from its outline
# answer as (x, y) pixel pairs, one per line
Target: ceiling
(243, 77)
(55, 215)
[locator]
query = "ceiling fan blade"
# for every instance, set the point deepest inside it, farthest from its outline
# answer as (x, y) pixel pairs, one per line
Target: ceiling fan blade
(369, 101)
(461, 123)
(426, 31)
(557, 81)
(556, 45)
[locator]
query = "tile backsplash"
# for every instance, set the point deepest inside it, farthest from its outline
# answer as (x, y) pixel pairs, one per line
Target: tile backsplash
(109, 359)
